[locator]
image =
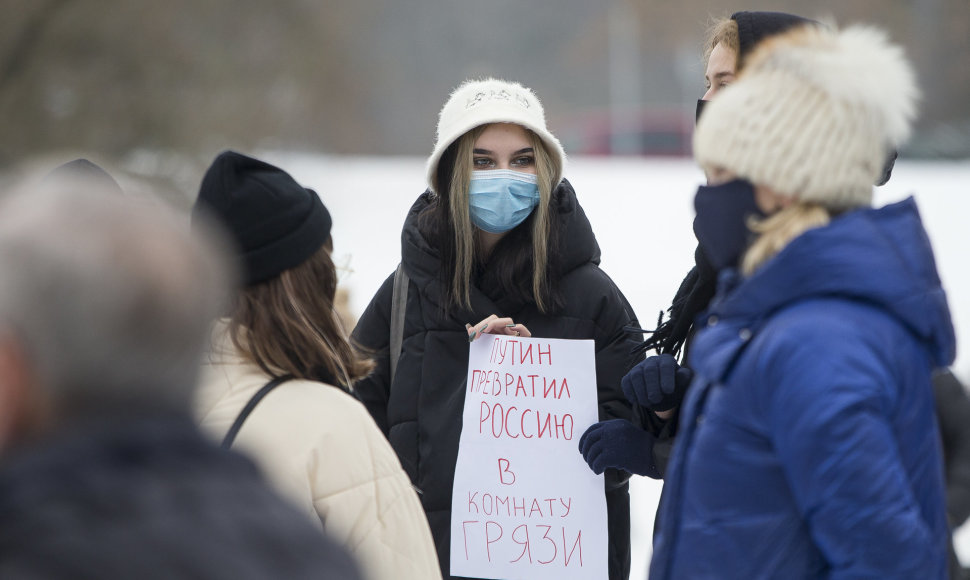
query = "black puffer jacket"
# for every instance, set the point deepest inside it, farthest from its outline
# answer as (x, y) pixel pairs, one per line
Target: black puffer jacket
(953, 415)
(953, 412)
(149, 498)
(421, 413)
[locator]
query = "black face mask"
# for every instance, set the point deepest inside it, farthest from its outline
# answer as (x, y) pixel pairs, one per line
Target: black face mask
(701, 103)
(721, 221)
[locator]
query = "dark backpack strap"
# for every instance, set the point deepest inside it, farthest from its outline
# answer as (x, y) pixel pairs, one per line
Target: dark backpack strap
(250, 405)
(399, 301)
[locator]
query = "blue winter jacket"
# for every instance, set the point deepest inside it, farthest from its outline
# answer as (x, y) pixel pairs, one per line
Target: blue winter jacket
(808, 444)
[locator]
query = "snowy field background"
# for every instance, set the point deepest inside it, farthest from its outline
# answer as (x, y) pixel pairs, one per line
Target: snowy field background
(641, 212)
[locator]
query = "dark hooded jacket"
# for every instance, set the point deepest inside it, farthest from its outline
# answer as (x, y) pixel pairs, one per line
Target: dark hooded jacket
(808, 444)
(421, 413)
(144, 495)
(953, 411)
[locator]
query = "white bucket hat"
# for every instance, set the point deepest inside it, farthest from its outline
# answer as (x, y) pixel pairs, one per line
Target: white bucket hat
(476, 103)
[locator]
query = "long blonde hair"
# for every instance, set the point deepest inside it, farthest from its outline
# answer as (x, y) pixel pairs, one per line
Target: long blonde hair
(458, 161)
(777, 230)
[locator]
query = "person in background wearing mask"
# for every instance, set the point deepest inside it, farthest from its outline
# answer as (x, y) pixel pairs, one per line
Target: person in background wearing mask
(808, 443)
(499, 240)
(282, 348)
(105, 306)
(656, 386)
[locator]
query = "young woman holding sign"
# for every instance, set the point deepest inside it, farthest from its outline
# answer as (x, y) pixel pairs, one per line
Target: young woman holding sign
(497, 244)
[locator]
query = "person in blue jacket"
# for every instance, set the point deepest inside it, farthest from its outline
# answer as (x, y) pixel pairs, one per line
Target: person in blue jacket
(808, 445)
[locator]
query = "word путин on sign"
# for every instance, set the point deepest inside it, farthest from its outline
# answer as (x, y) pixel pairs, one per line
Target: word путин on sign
(510, 421)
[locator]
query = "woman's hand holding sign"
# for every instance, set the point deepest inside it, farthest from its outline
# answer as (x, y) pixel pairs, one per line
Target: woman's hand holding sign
(495, 325)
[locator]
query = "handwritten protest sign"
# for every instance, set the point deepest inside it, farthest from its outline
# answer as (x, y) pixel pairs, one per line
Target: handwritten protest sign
(525, 504)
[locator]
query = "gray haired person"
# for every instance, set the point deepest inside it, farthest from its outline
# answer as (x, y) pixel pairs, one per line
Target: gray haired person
(105, 305)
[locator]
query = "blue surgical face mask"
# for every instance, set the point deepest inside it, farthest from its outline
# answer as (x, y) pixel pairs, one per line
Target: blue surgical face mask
(500, 199)
(721, 223)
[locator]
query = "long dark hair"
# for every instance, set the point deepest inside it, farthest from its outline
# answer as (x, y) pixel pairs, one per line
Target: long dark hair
(693, 296)
(524, 265)
(288, 325)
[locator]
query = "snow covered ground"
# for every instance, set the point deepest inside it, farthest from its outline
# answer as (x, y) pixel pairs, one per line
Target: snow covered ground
(641, 211)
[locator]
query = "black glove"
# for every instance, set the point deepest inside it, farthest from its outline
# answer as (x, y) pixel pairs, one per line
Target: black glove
(618, 444)
(657, 383)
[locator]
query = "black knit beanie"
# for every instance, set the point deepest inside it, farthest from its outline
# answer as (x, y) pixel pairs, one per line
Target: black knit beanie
(753, 27)
(86, 173)
(276, 223)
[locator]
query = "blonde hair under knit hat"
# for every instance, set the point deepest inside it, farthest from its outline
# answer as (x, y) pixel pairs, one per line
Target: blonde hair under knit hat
(813, 115)
(481, 102)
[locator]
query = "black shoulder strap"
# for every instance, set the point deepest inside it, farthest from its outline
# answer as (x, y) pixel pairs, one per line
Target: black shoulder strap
(237, 424)
(399, 300)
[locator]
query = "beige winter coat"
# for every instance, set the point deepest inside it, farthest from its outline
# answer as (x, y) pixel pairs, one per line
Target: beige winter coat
(321, 449)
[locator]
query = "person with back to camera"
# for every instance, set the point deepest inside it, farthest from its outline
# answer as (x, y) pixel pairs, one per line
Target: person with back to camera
(104, 312)
(499, 240)
(657, 385)
(282, 347)
(808, 444)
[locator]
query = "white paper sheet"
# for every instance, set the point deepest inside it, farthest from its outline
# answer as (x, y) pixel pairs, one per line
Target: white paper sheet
(525, 504)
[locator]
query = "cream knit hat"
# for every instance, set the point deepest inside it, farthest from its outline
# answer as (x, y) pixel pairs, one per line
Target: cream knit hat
(489, 100)
(812, 115)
